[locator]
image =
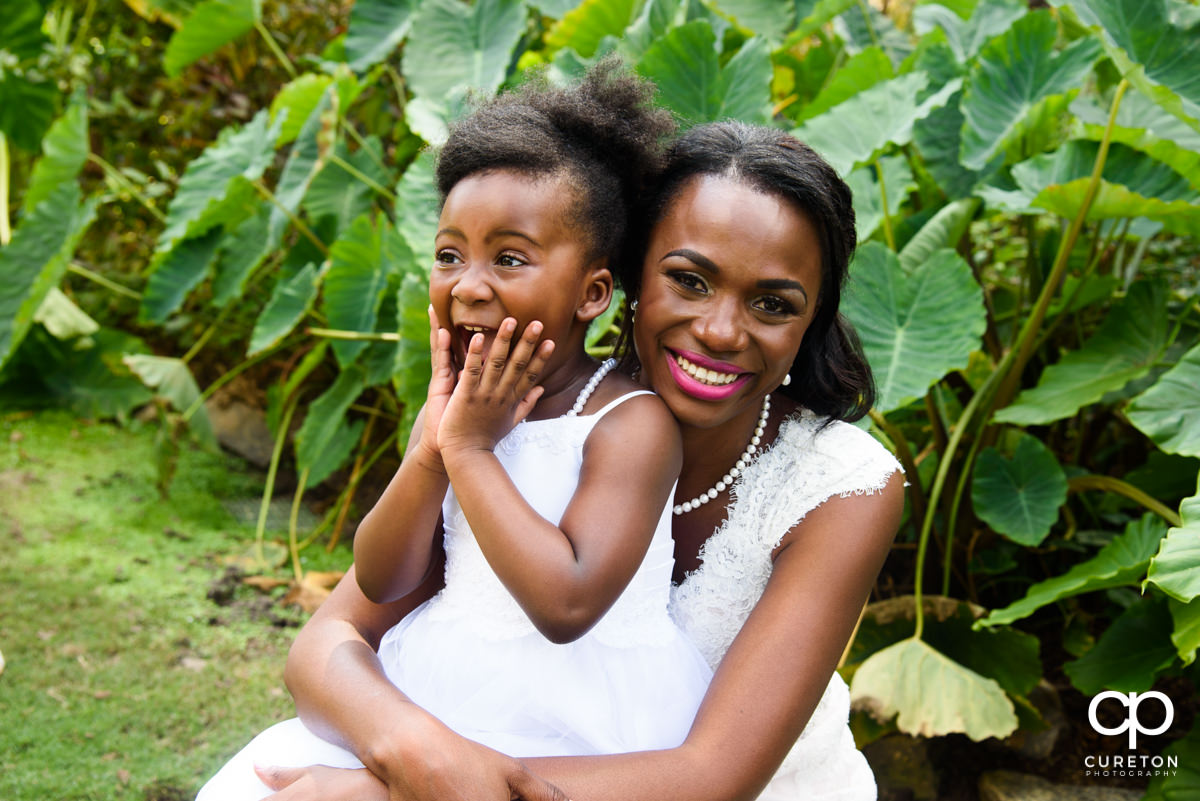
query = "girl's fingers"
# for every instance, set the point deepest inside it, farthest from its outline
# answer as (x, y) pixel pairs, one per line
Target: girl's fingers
(493, 371)
(537, 363)
(517, 369)
(473, 365)
(527, 403)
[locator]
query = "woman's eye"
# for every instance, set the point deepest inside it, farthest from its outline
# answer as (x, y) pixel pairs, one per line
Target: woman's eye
(689, 281)
(774, 305)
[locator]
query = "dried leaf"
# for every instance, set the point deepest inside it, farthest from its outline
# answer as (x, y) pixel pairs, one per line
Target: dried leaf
(312, 590)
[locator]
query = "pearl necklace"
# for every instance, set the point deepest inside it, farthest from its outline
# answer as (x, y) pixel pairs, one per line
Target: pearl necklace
(736, 470)
(605, 368)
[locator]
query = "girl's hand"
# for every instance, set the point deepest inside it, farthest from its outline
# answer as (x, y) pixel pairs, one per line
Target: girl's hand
(441, 385)
(493, 396)
(322, 783)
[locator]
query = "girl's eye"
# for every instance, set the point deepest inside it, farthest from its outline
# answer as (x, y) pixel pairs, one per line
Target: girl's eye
(774, 305)
(446, 256)
(689, 281)
(510, 260)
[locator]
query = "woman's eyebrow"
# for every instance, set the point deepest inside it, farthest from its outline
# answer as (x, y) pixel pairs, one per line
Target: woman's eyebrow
(699, 259)
(783, 283)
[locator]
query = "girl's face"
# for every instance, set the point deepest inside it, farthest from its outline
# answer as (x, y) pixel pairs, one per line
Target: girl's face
(729, 286)
(505, 247)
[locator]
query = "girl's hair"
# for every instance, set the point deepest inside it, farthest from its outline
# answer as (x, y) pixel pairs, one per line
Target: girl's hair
(602, 135)
(830, 375)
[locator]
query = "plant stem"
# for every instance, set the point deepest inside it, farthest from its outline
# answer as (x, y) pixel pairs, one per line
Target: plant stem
(275, 49)
(952, 521)
(291, 215)
(354, 336)
(334, 158)
(115, 175)
(1116, 485)
(96, 278)
(293, 518)
(234, 372)
(916, 495)
(5, 230)
(269, 488)
(887, 217)
(1028, 336)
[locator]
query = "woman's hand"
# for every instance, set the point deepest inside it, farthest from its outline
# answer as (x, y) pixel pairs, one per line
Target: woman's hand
(322, 783)
(492, 396)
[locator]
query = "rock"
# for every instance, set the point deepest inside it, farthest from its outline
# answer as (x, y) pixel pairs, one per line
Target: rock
(1037, 746)
(902, 768)
(241, 428)
(1005, 785)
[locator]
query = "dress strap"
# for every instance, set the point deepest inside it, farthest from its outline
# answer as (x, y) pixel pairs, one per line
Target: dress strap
(608, 407)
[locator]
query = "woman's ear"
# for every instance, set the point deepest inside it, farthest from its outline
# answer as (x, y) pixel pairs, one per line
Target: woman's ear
(596, 294)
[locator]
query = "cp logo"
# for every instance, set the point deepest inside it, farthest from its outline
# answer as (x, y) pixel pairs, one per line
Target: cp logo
(1131, 700)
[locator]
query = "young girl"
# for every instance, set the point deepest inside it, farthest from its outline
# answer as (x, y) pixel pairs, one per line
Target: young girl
(556, 532)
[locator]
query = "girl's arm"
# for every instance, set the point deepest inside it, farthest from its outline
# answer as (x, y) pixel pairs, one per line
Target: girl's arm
(394, 544)
(564, 576)
(769, 683)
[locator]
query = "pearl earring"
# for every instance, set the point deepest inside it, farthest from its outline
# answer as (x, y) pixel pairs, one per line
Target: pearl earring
(787, 380)
(633, 306)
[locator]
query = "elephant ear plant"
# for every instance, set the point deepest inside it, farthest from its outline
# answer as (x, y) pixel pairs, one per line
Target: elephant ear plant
(1027, 193)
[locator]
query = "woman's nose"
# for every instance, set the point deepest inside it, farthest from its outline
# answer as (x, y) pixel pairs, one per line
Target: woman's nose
(472, 286)
(721, 328)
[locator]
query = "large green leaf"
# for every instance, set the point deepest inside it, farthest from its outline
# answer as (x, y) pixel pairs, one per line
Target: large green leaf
(306, 160)
(1154, 55)
(1019, 497)
(181, 271)
(418, 206)
(37, 258)
(341, 447)
(59, 315)
(862, 71)
(339, 193)
(769, 18)
(583, 28)
(411, 379)
(242, 250)
(856, 130)
(931, 694)
(173, 381)
(1175, 569)
(210, 26)
(938, 137)
(863, 25)
(1181, 783)
(868, 197)
(965, 37)
(27, 99)
(215, 188)
(1126, 346)
(1130, 653)
(1075, 161)
(915, 327)
(685, 66)
(1144, 125)
(325, 416)
(297, 99)
(290, 301)
(64, 152)
(943, 230)
(1117, 201)
(812, 15)
(376, 28)
(1186, 636)
(453, 45)
(1120, 563)
(1169, 412)
(360, 263)
(1015, 72)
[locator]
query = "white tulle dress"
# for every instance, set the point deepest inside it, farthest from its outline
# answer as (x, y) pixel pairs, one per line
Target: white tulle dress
(473, 659)
(808, 463)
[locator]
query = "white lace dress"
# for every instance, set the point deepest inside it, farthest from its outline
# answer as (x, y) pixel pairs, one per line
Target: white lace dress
(805, 466)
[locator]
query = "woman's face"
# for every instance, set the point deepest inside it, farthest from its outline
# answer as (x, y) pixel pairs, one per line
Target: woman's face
(729, 286)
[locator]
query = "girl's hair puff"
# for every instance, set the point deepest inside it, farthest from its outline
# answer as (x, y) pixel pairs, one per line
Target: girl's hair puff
(602, 135)
(830, 375)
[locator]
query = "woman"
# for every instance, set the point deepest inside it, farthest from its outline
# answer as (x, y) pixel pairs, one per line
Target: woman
(746, 244)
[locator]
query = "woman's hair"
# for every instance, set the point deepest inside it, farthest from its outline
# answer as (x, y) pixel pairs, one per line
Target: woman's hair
(602, 136)
(830, 375)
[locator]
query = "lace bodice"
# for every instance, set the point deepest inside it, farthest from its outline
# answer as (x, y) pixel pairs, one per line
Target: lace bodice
(805, 466)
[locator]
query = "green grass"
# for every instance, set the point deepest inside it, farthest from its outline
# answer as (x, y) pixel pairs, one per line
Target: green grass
(123, 680)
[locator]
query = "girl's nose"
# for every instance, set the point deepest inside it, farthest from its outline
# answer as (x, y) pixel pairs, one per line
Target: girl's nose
(472, 286)
(721, 328)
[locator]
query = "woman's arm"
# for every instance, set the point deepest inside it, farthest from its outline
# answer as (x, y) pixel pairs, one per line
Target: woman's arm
(769, 683)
